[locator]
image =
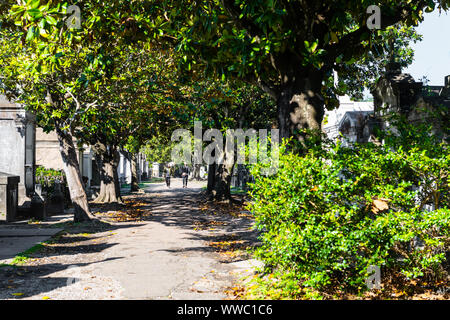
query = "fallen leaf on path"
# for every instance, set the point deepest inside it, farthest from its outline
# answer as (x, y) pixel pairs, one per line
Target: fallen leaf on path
(379, 205)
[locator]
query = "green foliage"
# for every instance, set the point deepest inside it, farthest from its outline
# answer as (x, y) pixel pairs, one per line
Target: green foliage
(158, 149)
(327, 215)
(48, 177)
(90, 81)
(267, 42)
(394, 46)
(252, 40)
(51, 174)
(23, 257)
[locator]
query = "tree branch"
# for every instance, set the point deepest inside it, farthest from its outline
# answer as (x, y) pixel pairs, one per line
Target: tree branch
(352, 40)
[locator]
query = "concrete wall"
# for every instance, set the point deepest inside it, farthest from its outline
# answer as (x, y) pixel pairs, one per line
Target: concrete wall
(48, 154)
(12, 142)
(47, 150)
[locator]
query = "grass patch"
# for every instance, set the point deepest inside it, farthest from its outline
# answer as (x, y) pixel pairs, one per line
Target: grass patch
(155, 180)
(23, 257)
(144, 183)
(34, 221)
(19, 260)
(233, 190)
(237, 190)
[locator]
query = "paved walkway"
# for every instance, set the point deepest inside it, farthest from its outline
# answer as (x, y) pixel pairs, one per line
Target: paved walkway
(162, 258)
(14, 240)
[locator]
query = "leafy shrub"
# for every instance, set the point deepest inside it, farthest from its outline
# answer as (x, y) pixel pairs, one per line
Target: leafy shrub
(47, 179)
(327, 215)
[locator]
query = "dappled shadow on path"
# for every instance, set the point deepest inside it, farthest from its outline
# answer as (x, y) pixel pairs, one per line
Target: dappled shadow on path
(218, 232)
(37, 272)
(82, 245)
(19, 282)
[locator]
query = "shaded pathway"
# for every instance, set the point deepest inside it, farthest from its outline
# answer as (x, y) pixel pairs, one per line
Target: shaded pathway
(165, 257)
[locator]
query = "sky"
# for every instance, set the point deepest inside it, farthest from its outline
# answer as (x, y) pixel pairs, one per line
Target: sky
(432, 54)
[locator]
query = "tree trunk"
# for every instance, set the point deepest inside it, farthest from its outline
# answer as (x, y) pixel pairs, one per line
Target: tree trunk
(116, 160)
(107, 161)
(222, 183)
(73, 176)
(222, 177)
(134, 173)
(196, 173)
(300, 104)
(211, 178)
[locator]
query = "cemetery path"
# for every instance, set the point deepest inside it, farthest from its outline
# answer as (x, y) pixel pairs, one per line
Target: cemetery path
(179, 251)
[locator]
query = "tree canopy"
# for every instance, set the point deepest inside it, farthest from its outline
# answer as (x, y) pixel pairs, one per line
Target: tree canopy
(119, 72)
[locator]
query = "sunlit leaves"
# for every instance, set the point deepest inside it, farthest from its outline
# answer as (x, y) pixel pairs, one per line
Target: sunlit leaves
(335, 211)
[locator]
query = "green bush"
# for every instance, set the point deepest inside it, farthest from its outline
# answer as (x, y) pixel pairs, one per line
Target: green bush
(47, 178)
(327, 215)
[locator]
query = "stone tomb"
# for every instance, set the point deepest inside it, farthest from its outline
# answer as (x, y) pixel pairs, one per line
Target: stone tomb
(8, 196)
(17, 145)
(17, 148)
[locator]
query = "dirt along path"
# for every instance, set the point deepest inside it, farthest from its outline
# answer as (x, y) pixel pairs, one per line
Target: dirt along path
(170, 245)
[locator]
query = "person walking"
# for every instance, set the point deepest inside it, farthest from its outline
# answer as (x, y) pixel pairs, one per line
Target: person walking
(167, 174)
(185, 175)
